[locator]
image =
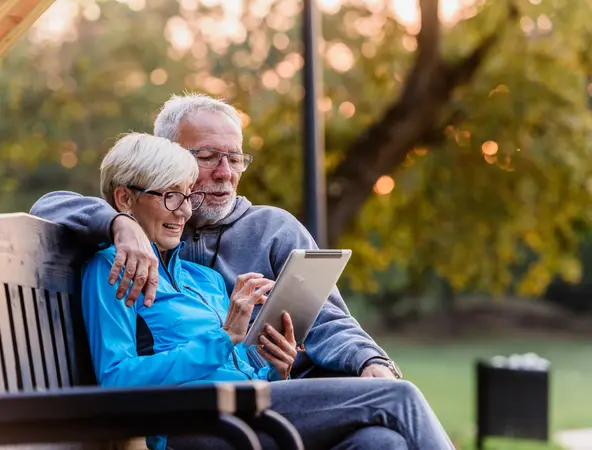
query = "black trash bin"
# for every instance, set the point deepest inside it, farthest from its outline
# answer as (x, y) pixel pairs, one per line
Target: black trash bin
(512, 402)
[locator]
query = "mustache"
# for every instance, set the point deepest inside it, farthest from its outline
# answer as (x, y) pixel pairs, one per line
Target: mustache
(219, 187)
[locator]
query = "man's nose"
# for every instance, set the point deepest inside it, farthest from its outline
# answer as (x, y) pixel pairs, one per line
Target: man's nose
(222, 171)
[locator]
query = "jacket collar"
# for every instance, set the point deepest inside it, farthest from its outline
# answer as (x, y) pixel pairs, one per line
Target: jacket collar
(174, 262)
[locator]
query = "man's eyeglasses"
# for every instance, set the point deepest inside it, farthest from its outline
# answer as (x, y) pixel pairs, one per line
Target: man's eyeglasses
(173, 199)
(209, 158)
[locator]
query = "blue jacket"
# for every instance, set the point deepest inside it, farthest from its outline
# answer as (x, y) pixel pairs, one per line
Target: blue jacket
(178, 340)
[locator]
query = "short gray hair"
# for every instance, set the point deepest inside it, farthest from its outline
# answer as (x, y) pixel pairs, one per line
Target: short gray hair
(146, 161)
(177, 107)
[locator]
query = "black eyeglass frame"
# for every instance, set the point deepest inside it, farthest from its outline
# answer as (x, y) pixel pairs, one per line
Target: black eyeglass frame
(222, 154)
(164, 199)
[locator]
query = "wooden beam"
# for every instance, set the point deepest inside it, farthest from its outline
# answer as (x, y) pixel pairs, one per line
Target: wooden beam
(18, 17)
(6, 6)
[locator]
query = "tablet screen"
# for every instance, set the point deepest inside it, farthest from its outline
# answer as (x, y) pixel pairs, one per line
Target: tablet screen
(301, 289)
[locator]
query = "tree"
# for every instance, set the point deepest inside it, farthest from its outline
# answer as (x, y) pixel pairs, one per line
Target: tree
(481, 126)
(407, 122)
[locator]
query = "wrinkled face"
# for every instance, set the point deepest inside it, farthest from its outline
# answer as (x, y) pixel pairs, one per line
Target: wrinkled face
(215, 130)
(163, 227)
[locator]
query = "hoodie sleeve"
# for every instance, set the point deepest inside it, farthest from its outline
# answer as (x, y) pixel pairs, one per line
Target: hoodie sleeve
(336, 341)
(88, 217)
(111, 331)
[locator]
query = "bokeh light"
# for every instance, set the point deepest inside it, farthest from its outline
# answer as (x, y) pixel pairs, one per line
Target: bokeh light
(270, 79)
(255, 142)
(340, 57)
(69, 160)
(384, 185)
(286, 69)
(330, 6)
(280, 41)
(159, 76)
(489, 148)
(347, 109)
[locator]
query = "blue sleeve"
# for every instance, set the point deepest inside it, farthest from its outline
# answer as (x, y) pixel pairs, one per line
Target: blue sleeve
(89, 217)
(267, 372)
(222, 286)
(111, 331)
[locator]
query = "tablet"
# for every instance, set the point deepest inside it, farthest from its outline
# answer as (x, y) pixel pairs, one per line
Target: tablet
(301, 289)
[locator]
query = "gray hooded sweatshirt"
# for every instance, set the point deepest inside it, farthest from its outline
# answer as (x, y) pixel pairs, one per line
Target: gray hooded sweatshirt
(250, 239)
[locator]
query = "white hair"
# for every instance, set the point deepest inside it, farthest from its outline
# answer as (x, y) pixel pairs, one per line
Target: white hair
(146, 161)
(177, 107)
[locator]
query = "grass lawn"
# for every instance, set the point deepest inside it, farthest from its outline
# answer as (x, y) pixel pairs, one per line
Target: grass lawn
(444, 372)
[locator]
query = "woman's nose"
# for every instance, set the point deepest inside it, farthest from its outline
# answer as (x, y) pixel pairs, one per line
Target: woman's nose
(185, 209)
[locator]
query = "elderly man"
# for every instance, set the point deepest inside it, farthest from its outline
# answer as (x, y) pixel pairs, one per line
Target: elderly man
(228, 234)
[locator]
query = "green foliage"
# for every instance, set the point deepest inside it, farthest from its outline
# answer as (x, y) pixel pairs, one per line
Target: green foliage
(476, 223)
(473, 221)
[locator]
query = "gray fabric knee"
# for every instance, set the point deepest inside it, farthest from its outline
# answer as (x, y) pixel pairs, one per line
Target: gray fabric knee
(373, 438)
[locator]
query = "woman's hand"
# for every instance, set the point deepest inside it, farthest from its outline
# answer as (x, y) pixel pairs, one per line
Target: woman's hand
(250, 289)
(278, 350)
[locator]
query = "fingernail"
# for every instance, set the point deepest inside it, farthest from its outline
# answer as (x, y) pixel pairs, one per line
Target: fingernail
(119, 295)
(111, 281)
(129, 303)
(268, 328)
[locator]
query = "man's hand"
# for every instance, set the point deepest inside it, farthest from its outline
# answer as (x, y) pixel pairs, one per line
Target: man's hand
(377, 371)
(135, 254)
(278, 350)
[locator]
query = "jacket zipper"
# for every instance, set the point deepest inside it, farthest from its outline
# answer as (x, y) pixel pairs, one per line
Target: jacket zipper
(198, 244)
(234, 358)
(171, 279)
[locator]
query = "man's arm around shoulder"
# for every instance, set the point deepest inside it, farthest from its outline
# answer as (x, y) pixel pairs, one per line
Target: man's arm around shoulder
(93, 220)
(89, 217)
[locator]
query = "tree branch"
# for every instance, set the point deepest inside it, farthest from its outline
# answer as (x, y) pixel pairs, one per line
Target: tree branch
(428, 38)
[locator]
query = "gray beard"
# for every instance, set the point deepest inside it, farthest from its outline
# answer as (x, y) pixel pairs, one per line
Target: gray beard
(209, 214)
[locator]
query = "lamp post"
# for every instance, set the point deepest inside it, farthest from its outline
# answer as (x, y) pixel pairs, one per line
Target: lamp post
(315, 199)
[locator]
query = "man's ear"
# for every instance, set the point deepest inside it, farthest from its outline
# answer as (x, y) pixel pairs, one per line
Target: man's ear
(123, 199)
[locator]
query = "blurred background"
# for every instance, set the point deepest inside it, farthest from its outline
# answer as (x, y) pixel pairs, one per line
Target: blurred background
(458, 157)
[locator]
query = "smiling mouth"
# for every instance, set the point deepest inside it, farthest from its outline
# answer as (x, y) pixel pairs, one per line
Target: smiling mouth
(173, 226)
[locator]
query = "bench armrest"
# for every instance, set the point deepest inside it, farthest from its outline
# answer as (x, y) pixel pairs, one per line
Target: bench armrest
(92, 402)
(93, 413)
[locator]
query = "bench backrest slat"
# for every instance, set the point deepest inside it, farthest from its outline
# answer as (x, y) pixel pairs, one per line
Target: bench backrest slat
(45, 338)
(35, 345)
(42, 341)
(58, 335)
(22, 346)
(67, 302)
(9, 364)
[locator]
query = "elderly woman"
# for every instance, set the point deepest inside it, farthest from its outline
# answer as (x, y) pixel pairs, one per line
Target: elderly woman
(193, 331)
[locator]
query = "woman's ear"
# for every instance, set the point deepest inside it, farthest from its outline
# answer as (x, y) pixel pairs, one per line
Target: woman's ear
(123, 199)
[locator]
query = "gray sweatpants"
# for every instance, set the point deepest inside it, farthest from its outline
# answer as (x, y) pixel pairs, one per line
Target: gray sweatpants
(349, 413)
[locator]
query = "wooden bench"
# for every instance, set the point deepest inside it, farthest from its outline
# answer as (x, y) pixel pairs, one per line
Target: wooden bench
(48, 392)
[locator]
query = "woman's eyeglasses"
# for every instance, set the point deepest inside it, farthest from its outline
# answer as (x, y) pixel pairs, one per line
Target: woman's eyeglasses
(173, 199)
